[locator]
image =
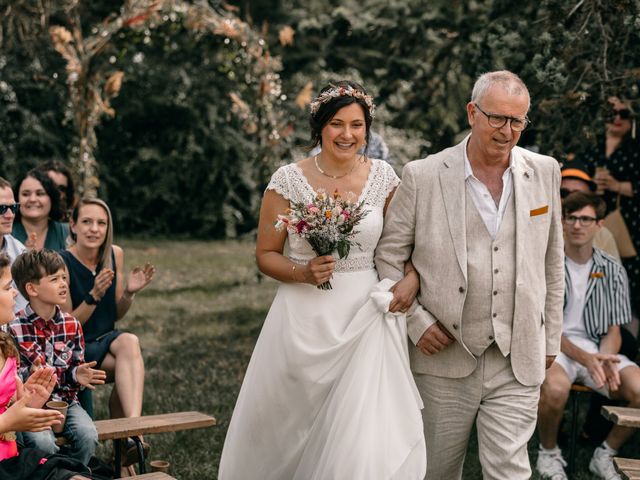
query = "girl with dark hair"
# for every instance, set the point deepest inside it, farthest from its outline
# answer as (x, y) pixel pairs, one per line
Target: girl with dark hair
(615, 165)
(38, 222)
(61, 176)
(328, 392)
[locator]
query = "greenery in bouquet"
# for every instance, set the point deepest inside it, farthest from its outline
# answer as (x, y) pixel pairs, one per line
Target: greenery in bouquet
(327, 222)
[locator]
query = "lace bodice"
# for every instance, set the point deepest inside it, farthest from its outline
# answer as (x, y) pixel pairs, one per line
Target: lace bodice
(290, 182)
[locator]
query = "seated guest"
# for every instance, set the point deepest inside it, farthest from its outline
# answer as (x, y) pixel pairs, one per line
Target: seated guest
(38, 222)
(576, 179)
(48, 336)
(99, 297)
(9, 244)
(596, 304)
(61, 176)
(25, 413)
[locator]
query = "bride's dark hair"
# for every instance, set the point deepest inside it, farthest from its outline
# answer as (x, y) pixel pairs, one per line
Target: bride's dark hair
(327, 110)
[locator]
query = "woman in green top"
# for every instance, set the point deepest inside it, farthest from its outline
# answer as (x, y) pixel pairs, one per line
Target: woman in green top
(37, 223)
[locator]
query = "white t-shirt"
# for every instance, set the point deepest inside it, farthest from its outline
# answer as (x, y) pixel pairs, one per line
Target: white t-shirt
(573, 325)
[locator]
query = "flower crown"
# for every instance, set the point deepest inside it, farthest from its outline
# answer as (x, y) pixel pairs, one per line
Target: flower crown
(335, 92)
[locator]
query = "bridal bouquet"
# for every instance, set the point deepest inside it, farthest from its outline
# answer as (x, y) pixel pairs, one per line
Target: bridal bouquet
(327, 223)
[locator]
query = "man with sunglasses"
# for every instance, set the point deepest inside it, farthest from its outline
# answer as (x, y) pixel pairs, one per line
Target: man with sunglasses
(596, 304)
(481, 223)
(8, 244)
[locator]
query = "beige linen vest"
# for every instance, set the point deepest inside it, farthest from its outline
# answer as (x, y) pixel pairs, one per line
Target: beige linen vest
(487, 315)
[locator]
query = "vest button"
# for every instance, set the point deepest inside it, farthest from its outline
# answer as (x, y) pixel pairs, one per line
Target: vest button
(455, 326)
(461, 289)
(495, 249)
(490, 337)
(496, 271)
(495, 292)
(495, 315)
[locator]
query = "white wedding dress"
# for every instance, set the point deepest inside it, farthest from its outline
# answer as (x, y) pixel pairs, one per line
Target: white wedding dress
(328, 393)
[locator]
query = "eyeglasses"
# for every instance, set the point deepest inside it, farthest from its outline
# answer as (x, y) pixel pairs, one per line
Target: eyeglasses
(499, 121)
(584, 220)
(13, 207)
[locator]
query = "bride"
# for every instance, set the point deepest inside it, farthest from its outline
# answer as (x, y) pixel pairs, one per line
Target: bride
(328, 393)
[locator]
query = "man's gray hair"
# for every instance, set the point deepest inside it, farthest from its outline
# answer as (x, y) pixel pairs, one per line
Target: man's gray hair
(512, 83)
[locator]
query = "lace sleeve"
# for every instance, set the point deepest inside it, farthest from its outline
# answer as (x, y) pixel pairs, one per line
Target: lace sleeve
(280, 183)
(391, 180)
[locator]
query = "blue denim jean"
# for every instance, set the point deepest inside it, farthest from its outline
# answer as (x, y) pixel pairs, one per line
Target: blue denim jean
(79, 431)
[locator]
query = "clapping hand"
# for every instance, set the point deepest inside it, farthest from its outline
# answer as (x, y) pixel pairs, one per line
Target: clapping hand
(30, 242)
(38, 386)
(101, 283)
(20, 417)
(88, 376)
(139, 278)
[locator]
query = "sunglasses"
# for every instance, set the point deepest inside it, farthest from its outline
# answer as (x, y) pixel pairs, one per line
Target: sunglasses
(13, 207)
(623, 113)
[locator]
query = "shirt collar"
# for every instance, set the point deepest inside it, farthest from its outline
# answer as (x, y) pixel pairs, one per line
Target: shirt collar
(40, 322)
(468, 171)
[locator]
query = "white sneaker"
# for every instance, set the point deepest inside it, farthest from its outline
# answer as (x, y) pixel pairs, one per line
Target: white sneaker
(601, 464)
(551, 465)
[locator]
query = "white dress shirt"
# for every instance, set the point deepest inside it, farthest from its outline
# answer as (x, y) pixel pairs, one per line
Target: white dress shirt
(490, 212)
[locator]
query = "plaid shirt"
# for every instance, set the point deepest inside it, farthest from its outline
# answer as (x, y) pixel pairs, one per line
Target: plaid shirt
(57, 342)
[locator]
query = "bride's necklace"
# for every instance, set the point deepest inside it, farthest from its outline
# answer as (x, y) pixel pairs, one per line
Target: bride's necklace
(335, 177)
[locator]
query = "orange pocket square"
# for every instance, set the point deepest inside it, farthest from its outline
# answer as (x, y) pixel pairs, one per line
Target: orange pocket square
(539, 211)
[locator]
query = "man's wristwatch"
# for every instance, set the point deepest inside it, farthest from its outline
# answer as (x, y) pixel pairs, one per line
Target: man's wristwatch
(90, 300)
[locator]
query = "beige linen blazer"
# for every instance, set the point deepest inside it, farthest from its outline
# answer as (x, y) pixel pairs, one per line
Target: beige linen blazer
(425, 222)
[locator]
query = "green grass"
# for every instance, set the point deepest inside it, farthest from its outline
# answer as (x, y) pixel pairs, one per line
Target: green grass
(198, 322)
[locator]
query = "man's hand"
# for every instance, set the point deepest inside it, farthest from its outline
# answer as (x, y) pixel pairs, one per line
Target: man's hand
(611, 372)
(434, 339)
(88, 376)
(550, 360)
(595, 365)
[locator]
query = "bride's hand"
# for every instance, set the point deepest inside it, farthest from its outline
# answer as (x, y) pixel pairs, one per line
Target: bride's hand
(404, 292)
(319, 270)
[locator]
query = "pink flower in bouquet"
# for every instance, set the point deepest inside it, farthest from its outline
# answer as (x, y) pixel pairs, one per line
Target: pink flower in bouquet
(301, 226)
(313, 209)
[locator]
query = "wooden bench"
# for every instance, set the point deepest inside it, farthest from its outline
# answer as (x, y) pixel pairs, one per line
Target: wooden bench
(154, 476)
(623, 416)
(628, 468)
(119, 429)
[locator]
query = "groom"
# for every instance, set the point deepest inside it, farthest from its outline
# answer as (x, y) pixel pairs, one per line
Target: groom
(481, 223)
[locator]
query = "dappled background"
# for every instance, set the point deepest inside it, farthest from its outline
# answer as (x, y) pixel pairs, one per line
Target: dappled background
(177, 112)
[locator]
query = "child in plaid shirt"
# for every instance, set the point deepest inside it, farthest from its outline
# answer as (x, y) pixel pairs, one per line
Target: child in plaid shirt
(48, 336)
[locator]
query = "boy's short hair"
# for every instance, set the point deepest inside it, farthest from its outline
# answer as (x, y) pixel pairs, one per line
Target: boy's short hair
(32, 266)
(578, 200)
